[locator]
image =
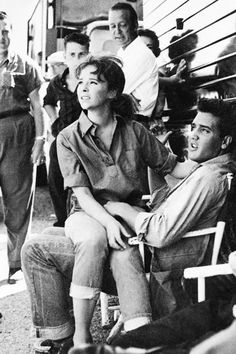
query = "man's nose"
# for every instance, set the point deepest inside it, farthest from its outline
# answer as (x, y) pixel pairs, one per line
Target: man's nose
(117, 29)
(194, 134)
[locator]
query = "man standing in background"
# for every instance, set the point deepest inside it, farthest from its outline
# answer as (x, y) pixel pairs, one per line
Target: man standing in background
(22, 140)
(62, 89)
(139, 63)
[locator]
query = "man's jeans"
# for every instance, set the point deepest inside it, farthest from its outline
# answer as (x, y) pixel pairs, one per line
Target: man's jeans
(48, 262)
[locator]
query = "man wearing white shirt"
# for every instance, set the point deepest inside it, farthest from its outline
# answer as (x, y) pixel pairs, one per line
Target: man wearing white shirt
(139, 63)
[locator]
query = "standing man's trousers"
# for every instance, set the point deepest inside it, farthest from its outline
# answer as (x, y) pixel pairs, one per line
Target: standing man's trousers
(16, 180)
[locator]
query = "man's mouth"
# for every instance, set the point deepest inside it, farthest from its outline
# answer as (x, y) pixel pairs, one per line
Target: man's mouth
(193, 146)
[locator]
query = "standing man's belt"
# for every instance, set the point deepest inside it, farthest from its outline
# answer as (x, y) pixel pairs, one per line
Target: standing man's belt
(12, 113)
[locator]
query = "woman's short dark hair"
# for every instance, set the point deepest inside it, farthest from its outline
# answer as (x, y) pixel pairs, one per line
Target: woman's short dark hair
(152, 35)
(110, 69)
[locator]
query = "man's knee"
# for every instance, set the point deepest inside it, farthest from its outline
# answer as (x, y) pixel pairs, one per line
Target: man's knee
(130, 257)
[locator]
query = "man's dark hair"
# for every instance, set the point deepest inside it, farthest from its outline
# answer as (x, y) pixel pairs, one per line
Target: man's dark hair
(77, 37)
(226, 112)
(132, 13)
(152, 35)
(182, 46)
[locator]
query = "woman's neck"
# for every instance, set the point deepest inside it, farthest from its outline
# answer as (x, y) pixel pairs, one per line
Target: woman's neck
(101, 116)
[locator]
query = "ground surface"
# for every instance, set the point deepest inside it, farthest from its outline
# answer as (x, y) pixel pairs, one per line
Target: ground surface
(16, 334)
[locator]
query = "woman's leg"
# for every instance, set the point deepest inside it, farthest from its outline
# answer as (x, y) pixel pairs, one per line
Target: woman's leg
(47, 263)
(91, 252)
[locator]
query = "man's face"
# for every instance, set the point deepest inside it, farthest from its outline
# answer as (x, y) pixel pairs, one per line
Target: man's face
(4, 36)
(121, 27)
(205, 142)
(75, 54)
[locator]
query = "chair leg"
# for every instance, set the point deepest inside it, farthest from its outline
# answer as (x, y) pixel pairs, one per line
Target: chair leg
(201, 289)
(116, 329)
(104, 309)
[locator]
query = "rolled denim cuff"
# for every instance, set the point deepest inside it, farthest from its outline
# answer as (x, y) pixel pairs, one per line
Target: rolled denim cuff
(55, 333)
(84, 292)
(137, 322)
(141, 224)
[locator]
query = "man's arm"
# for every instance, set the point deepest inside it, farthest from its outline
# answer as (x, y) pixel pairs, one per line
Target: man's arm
(52, 112)
(127, 212)
(38, 148)
(181, 212)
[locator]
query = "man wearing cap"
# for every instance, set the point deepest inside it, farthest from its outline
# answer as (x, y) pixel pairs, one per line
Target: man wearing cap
(62, 90)
(56, 64)
(21, 140)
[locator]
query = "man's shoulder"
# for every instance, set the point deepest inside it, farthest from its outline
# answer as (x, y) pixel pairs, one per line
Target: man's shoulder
(212, 176)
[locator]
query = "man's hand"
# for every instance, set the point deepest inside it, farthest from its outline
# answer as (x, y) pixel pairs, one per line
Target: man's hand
(177, 78)
(38, 152)
(127, 212)
(115, 231)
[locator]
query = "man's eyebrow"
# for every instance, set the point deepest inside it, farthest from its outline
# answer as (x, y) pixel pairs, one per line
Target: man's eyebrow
(205, 126)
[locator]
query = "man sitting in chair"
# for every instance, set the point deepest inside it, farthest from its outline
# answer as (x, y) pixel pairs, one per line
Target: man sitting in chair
(191, 205)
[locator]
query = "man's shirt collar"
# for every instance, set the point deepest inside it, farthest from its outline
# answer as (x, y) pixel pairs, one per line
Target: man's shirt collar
(63, 77)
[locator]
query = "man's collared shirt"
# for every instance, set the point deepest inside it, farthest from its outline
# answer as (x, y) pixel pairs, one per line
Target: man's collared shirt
(141, 75)
(19, 76)
(70, 108)
(193, 204)
(119, 174)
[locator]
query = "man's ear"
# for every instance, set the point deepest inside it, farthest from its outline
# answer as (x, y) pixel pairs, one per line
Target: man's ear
(227, 140)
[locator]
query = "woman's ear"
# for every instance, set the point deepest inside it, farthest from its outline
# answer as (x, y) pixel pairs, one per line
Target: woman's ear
(227, 140)
(112, 94)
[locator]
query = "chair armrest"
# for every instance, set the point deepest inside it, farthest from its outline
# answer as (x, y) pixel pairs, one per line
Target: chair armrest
(207, 271)
(202, 232)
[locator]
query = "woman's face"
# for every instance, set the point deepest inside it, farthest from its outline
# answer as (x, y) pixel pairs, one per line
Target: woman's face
(92, 92)
(149, 42)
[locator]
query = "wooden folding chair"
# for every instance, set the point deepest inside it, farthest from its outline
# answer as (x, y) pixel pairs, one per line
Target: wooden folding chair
(202, 272)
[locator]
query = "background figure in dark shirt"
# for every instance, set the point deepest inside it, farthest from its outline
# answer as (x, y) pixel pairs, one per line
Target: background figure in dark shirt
(182, 97)
(225, 68)
(62, 90)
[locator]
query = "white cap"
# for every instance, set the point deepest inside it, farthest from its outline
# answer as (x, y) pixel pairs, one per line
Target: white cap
(57, 57)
